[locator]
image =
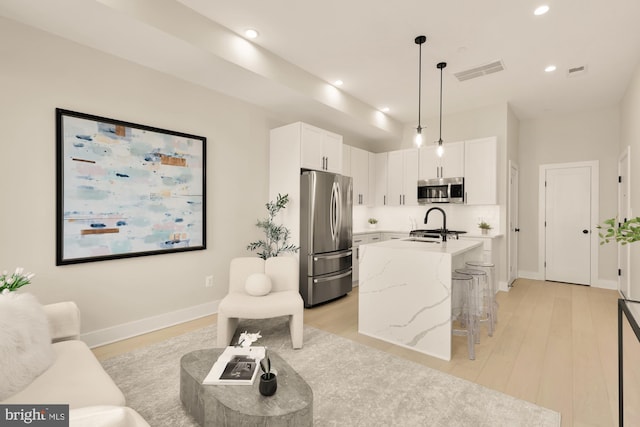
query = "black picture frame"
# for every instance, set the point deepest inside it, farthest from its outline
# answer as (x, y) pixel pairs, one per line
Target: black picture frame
(126, 190)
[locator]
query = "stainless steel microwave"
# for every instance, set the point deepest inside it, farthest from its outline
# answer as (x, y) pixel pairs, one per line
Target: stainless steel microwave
(441, 190)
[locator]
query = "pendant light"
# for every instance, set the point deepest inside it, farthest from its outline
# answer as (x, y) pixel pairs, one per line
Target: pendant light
(419, 41)
(440, 149)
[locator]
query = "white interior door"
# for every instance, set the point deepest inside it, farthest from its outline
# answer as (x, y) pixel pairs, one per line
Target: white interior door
(568, 225)
(624, 213)
(513, 222)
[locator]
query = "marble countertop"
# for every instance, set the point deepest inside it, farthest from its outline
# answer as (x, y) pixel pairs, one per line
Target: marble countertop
(472, 234)
(479, 235)
(378, 230)
(452, 247)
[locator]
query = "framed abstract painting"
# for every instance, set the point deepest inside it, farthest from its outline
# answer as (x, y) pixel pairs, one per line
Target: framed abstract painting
(126, 190)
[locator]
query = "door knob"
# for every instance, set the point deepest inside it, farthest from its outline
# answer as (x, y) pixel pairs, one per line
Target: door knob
(517, 230)
(585, 231)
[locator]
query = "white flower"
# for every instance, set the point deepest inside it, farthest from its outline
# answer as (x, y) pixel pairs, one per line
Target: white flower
(246, 339)
(15, 280)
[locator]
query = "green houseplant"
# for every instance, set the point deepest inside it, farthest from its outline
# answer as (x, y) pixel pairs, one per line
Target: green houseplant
(621, 232)
(276, 236)
(484, 226)
(372, 222)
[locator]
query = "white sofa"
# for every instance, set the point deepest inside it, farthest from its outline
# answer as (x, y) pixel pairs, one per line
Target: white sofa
(76, 377)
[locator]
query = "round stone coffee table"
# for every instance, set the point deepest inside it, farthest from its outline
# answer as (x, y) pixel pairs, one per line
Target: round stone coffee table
(243, 405)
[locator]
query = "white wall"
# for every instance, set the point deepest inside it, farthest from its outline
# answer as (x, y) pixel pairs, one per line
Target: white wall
(630, 136)
(582, 136)
(40, 72)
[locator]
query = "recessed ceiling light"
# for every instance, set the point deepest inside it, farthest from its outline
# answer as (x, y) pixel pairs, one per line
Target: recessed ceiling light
(550, 68)
(541, 10)
(338, 83)
(385, 109)
(251, 33)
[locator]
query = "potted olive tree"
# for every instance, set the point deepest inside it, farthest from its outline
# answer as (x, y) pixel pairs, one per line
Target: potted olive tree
(276, 236)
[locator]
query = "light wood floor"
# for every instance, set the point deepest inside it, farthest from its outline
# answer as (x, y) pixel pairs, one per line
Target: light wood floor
(555, 345)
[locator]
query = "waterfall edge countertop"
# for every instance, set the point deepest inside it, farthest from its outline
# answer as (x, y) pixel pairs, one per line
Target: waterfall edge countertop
(405, 292)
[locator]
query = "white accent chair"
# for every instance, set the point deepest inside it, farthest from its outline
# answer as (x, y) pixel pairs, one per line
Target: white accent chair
(283, 300)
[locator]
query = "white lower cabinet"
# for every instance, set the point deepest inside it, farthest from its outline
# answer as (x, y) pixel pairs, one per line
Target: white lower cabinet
(490, 253)
(487, 246)
(361, 239)
(394, 236)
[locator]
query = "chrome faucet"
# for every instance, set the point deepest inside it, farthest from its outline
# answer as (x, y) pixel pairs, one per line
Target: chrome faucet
(443, 233)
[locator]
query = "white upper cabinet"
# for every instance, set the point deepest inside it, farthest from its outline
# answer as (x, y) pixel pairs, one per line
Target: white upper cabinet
(320, 149)
(372, 179)
(360, 173)
(450, 165)
(380, 179)
(346, 160)
(402, 177)
(481, 171)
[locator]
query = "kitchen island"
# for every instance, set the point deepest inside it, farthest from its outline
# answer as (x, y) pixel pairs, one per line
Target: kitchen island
(405, 291)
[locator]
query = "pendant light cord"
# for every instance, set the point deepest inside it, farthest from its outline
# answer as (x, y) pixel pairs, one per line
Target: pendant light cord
(419, 41)
(419, 85)
(440, 140)
(441, 66)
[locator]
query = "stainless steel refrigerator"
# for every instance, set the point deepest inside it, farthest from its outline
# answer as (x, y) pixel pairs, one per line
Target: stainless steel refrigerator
(326, 204)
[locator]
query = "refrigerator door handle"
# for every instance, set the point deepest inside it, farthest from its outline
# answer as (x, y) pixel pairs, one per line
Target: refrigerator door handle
(326, 279)
(340, 255)
(339, 211)
(332, 212)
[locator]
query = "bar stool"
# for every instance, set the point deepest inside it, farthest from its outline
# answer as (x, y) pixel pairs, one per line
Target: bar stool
(489, 268)
(483, 302)
(463, 309)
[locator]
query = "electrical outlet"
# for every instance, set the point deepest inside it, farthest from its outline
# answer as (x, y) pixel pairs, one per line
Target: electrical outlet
(208, 282)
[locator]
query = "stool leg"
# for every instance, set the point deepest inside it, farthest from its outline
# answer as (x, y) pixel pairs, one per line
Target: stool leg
(490, 313)
(477, 310)
(471, 342)
(472, 324)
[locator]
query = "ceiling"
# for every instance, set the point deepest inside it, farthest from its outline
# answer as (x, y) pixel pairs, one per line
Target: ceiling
(369, 44)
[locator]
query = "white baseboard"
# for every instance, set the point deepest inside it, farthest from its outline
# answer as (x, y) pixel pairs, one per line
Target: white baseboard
(149, 324)
(606, 284)
(533, 275)
(503, 286)
(600, 283)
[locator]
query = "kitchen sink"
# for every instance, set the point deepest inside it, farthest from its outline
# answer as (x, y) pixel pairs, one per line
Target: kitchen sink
(414, 239)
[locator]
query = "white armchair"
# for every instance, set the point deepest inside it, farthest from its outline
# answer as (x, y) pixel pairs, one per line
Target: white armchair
(283, 300)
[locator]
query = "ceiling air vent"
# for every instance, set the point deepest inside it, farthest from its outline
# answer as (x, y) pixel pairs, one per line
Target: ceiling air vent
(577, 71)
(482, 70)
